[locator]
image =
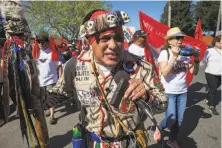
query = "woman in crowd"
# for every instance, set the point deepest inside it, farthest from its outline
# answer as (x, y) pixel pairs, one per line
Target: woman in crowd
(212, 60)
(173, 68)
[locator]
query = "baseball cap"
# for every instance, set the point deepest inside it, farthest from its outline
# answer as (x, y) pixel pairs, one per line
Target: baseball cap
(42, 38)
(139, 33)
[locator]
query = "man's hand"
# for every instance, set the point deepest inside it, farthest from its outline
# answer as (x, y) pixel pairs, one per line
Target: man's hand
(135, 90)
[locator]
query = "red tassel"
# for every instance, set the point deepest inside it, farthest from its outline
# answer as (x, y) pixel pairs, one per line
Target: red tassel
(55, 53)
(35, 50)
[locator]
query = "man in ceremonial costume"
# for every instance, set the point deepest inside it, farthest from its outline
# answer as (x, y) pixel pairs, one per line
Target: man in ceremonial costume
(2, 41)
(20, 74)
(92, 76)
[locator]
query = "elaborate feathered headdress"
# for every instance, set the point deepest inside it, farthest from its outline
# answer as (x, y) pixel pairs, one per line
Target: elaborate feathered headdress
(13, 18)
(14, 66)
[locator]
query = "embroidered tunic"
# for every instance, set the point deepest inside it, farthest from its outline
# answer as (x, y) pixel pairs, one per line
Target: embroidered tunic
(78, 77)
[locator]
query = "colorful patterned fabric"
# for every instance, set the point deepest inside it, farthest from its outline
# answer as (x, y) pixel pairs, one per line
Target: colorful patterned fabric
(103, 22)
(80, 77)
(19, 71)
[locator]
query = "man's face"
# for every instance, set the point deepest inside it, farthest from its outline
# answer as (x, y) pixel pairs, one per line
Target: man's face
(43, 45)
(141, 41)
(109, 48)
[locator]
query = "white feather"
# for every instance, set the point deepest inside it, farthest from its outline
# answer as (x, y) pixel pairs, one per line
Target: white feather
(12, 9)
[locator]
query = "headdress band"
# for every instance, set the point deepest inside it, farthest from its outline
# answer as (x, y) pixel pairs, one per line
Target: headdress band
(103, 22)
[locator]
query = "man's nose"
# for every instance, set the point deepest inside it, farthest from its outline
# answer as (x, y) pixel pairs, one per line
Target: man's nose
(112, 44)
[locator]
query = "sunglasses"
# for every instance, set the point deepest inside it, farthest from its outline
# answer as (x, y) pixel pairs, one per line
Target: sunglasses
(178, 37)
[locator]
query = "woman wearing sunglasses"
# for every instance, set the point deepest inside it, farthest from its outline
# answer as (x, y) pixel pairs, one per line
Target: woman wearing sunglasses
(173, 68)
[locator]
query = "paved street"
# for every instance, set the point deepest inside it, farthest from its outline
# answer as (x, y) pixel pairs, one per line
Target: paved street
(200, 129)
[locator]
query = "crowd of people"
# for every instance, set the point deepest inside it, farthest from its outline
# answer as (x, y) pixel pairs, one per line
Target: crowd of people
(93, 75)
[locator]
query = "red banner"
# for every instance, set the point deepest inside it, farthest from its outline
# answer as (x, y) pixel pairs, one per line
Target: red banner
(197, 44)
(198, 31)
(157, 31)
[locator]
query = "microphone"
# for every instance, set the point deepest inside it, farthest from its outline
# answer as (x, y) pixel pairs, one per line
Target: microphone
(122, 78)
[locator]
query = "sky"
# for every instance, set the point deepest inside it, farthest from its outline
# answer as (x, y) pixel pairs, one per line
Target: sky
(152, 8)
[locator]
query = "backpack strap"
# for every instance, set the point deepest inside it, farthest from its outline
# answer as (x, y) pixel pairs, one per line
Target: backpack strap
(168, 54)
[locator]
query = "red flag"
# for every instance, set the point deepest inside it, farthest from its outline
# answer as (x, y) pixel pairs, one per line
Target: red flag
(156, 30)
(126, 45)
(196, 44)
(198, 31)
(55, 52)
(155, 40)
(156, 35)
(35, 49)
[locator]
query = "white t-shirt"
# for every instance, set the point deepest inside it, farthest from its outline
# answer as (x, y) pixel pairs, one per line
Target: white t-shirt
(175, 82)
(212, 59)
(136, 50)
(48, 73)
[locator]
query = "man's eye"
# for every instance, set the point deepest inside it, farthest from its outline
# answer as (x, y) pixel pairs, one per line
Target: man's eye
(104, 39)
(118, 38)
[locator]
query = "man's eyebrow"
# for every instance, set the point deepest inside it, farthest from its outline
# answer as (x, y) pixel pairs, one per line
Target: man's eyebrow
(105, 36)
(108, 35)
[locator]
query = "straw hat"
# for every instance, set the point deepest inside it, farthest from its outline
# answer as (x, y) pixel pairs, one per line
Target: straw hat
(173, 32)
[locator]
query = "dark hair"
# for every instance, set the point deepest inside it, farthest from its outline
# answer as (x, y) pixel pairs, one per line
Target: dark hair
(165, 46)
(216, 39)
(42, 38)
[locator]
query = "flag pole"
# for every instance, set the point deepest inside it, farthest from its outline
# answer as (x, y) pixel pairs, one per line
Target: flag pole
(169, 13)
(218, 19)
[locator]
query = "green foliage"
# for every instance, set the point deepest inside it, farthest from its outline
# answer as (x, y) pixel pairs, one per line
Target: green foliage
(181, 16)
(60, 17)
(207, 11)
(164, 15)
